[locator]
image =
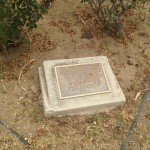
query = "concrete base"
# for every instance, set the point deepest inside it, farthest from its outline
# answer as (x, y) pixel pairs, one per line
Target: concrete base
(52, 104)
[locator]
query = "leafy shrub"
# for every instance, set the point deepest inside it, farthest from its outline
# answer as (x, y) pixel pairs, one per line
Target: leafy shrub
(47, 2)
(15, 15)
(110, 12)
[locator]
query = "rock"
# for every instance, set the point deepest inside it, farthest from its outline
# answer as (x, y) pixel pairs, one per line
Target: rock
(147, 53)
(86, 35)
(129, 62)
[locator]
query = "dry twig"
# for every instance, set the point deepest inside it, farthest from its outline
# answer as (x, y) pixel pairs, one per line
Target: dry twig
(21, 73)
(5, 89)
(139, 93)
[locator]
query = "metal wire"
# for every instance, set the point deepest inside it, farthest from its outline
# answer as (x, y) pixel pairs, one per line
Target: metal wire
(134, 123)
(16, 134)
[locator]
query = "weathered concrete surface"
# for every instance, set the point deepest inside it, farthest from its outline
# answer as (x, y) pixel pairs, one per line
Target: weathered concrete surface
(54, 106)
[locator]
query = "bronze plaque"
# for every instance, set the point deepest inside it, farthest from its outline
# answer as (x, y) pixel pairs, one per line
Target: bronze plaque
(81, 80)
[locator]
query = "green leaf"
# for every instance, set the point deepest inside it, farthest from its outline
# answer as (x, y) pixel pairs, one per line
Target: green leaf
(17, 14)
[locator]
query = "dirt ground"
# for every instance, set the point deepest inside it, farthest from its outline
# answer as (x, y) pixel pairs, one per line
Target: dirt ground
(58, 36)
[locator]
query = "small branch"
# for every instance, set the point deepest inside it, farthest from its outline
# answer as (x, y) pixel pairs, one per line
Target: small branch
(21, 73)
(139, 93)
(94, 4)
(5, 89)
(27, 34)
(44, 39)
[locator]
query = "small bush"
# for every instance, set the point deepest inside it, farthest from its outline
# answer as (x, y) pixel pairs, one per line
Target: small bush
(14, 16)
(110, 12)
(46, 3)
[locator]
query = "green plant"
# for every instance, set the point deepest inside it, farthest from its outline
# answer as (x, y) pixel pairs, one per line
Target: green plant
(110, 12)
(16, 15)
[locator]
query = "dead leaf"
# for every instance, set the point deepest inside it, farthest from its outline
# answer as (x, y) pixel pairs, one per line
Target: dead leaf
(105, 125)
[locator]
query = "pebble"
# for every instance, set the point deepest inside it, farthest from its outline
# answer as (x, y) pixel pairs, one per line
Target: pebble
(147, 52)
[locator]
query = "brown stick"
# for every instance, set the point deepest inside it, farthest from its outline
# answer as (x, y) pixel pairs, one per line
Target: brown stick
(21, 74)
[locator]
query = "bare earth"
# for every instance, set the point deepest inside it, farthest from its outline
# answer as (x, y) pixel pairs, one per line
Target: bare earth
(58, 36)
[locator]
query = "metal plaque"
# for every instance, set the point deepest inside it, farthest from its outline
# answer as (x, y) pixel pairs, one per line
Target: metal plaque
(81, 80)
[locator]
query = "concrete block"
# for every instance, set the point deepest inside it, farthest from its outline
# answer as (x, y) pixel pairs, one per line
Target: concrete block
(78, 86)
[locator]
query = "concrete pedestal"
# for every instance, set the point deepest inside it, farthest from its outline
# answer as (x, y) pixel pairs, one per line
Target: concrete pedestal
(78, 86)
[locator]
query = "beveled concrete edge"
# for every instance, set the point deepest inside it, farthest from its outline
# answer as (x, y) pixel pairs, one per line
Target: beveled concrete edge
(44, 94)
(83, 111)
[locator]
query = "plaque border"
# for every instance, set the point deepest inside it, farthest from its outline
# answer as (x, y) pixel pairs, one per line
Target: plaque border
(80, 95)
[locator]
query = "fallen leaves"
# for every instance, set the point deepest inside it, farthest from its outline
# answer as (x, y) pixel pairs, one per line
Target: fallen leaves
(12, 66)
(42, 43)
(41, 130)
(147, 116)
(89, 20)
(143, 34)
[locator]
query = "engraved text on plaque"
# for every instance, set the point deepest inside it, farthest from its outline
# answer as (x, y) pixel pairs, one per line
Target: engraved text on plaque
(81, 80)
